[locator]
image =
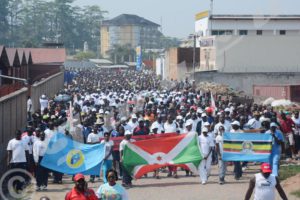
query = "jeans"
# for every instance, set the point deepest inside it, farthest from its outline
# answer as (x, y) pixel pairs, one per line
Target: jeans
(274, 161)
(107, 165)
(222, 169)
(237, 169)
(41, 174)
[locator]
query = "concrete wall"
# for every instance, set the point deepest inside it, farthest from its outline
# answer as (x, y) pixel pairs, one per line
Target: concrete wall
(49, 86)
(257, 53)
(13, 111)
(245, 81)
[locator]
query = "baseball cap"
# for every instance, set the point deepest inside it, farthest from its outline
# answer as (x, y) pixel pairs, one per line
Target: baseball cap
(206, 124)
(188, 123)
(77, 177)
(140, 120)
(235, 123)
(273, 125)
(205, 130)
(203, 115)
(128, 132)
(134, 116)
(266, 168)
(227, 110)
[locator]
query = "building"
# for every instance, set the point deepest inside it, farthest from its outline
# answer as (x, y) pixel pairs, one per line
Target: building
(243, 50)
(129, 30)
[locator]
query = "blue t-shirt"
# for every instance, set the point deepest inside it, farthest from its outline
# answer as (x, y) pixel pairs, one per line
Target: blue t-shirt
(276, 148)
(116, 192)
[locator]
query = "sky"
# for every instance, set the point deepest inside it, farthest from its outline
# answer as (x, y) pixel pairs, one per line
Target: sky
(177, 16)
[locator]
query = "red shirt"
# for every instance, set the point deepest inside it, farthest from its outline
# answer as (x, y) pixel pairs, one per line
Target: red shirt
(76, 195)
(286, 125)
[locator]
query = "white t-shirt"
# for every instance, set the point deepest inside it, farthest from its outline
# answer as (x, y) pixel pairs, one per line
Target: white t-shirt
(254, 124)
(44, 104)
(29, 105)
(39, 149)
(93, 138)
(29, 140)
(123, 143)
(205, 143)
(18, 149)
(108, 146)
(219, 140)
(264, 188)
(170, 128)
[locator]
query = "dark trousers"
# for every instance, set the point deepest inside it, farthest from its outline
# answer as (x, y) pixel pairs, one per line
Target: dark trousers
(31, 165)
(237, 169)
(19, 185)
(57, 177)
(126, 176)
(41, 174)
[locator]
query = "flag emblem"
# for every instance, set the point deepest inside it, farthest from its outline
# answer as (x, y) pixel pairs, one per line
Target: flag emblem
(75, 158)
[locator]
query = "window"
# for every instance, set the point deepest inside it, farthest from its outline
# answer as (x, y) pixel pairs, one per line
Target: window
(222, 32)
(259, 32)
(282, 32)
(243, 32)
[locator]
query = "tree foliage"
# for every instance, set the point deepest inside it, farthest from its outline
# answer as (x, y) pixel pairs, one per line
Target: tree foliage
(85, 55)
(30, 23)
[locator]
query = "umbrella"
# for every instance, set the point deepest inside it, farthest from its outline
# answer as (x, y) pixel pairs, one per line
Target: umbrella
(62, 98)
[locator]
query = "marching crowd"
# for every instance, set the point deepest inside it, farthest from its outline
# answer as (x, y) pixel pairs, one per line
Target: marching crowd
(124, 103)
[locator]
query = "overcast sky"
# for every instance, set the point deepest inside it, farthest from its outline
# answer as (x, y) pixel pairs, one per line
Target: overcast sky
(177, 16)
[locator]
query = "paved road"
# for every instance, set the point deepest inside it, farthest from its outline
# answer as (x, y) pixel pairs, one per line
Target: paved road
(183, 188)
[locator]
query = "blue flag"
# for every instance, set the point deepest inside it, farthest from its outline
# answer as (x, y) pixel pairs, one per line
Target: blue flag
(70, 157)
(254, 147)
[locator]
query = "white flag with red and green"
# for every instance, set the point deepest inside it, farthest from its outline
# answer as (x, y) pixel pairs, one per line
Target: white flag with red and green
(145, 156)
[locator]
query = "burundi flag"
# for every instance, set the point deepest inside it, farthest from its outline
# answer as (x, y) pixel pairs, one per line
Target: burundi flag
(70, 157)
(145, 156)
(255, 147)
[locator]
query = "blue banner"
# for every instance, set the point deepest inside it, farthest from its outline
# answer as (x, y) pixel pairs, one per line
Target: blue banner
(70, 157)
(253, 147)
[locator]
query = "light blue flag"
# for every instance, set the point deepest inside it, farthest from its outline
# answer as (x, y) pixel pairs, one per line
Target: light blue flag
(70, 157)
(254, 147)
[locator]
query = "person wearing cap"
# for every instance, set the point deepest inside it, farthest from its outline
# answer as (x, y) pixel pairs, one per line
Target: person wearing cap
(29, 138)
(277, 143)
(170, 125)
(206, 145)
(93, 138)
(133, 122)
(222, 122)
(125, 125)
(141, 129)
(112, 189)
(126, 176)
(237, 164)
(264, 184)
(254, 123)
(81, 190)
(43, 103)
(219, 151)
(158, 125)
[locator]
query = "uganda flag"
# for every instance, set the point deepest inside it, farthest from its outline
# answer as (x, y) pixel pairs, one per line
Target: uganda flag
(255, 147)
(145, 156)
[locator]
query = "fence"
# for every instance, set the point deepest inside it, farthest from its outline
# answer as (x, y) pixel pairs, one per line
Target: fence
(49, 86)
(12, 117)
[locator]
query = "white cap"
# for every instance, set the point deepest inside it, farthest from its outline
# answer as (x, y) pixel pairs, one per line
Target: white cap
(141, 120)
(205, 130)
(179, 117)
(106, 112)
(273, 124)
(206, 124)
(134, 116)
(123, 118)
(128, 132)
(235, 123)
(101, 111)
(188, 123)
(199, 110)
(94, 110)
(203, 115)
(227, 110)
(43, 96)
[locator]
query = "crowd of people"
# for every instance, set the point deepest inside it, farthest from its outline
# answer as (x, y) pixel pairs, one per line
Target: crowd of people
(124, 103)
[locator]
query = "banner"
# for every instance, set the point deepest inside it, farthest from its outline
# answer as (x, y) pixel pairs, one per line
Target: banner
(138, 58)
(70, 157)
(254, 147)
(118, 140)
(145, 156)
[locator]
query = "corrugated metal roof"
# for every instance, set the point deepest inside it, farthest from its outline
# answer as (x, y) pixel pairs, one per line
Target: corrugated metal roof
(13, 57)
(253, 17)
(128, 19)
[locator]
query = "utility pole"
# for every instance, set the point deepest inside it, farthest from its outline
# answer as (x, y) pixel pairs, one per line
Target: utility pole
(194, 55)
(211, 15)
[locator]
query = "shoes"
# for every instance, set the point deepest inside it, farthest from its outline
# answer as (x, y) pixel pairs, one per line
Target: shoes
(157, 177)
(203, 182)
(44, 188)
(169, 175)
(221, 181)
(37, 189)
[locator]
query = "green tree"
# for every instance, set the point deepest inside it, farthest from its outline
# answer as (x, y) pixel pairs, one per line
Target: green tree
(85, 55)
(3, 21)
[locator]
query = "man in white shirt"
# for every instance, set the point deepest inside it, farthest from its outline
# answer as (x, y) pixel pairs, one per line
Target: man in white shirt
(254, 123)
(264, 184)
(226, 124)
(206, 145)
(126, 177)
(29, 139)
(39, 150)
(170, 125)
(43, 103)
(158, 125)
(17, 156)
(29, 108)
(219, 150)
(93, 138)
(133, 123)
(108, 159)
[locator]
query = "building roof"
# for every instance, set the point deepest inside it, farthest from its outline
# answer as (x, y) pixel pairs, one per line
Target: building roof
(127, 19)
(1, 49)
(78, 64)
(45, 55)
(100, 61)
(253, 17)
(13, 57)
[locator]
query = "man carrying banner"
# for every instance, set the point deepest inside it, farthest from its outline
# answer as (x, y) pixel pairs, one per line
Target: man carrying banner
(206, 145)
(107, 162)
(277, 141)
(264, 184)
(126, 176)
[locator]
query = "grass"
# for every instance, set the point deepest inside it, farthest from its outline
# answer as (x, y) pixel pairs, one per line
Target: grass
(296, 193)
(286, 172)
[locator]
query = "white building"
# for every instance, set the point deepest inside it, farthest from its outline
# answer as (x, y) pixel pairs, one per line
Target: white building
(252, 25)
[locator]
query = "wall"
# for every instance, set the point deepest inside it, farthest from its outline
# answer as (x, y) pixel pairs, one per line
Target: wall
(257, 53)
(49, 86)
(245, 81)
(13, 110)
(104, 40)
